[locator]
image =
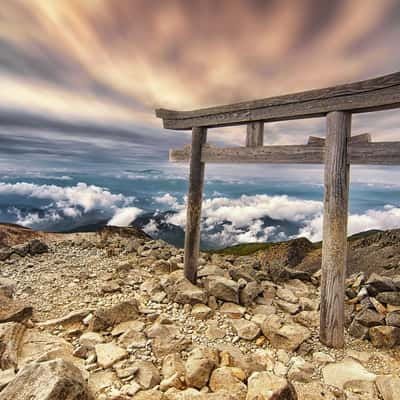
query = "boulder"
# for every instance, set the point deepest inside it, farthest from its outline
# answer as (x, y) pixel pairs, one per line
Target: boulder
(339, 373)
(10, 338)
(384, 336)
(109, 353)
(199, 366)
(109, 316)
(13, 311)
(147, 375)
(37, 246)
(41, 346)
(51, 380)
(222, 288)
(249, 293)
(247, 330)
(287, 336)
(182, 291)
(229, 380)
(267, 386)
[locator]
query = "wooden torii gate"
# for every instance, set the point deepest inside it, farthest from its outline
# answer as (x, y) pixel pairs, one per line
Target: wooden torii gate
(337, 151)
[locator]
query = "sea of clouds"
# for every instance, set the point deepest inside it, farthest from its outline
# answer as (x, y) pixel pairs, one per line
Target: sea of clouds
(225, 221)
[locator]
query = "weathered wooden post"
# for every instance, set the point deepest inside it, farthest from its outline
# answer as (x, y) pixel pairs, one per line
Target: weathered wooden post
(334, 248)
(195, 197)
(255, 134)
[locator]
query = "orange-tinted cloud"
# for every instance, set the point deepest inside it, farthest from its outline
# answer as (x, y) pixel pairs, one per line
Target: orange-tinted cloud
(119, 59)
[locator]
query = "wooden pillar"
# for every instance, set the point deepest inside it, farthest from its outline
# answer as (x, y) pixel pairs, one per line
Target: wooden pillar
(334, 247)
(195, 197)
(255, 134)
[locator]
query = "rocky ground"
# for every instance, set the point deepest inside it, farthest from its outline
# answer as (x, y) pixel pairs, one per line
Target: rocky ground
(110, 316)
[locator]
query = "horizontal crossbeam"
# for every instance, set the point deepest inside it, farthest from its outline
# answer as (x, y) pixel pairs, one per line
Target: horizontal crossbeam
(379, 153)
(371, 95)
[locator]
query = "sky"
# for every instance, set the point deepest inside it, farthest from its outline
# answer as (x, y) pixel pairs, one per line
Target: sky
(80, 79)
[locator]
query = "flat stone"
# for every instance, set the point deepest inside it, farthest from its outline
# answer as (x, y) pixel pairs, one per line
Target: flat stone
(388, 386)
(369, 318)
(108, 354)
(393, 319)
(339, 373)
(392, 298)
(384, 336)
(233, 310)
(377, 283)
(247, 330)
(267, 386)
(201, 311)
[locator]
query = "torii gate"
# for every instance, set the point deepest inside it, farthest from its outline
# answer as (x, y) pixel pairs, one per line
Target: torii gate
(337, 103)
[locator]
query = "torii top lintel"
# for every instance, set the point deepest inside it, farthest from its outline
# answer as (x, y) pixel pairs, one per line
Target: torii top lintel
(376, 94)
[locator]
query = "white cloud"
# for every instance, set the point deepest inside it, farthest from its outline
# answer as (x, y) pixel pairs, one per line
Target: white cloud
(89, 197)
(124, 216)
(151, 228)
(245, 209)
(167, 199)
(388, 218)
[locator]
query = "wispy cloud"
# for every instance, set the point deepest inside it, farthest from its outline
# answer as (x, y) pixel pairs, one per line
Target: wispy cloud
(97, 69)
